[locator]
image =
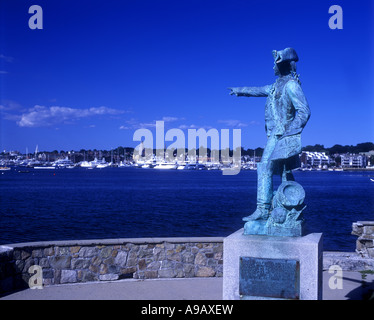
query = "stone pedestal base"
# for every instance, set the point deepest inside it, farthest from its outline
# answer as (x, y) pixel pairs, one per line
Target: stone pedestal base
(268, 267)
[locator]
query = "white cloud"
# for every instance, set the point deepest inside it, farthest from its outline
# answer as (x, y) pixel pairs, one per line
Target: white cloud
(133, 124)
(171, 119)
(11, 110)
(10, 105)
(6, 58)
(41, 116)
(185, 126)
(254, 123)
(233, 123)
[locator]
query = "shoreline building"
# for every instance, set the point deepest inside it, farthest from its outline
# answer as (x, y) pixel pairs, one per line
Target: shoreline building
(369, 158)
(350, 160)
(315, 159)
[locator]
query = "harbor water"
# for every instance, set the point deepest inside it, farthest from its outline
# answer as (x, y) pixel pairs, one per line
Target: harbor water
(70, 204)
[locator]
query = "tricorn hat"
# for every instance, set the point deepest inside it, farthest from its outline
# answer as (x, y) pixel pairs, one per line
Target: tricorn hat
(288, 54)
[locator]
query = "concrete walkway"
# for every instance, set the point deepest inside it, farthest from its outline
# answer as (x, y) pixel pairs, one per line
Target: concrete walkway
(354, 288)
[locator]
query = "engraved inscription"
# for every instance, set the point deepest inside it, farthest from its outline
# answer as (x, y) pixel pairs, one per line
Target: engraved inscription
(273, 278)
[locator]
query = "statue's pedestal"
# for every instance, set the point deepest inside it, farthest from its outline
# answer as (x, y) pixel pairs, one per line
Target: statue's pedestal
(269, 228)
(269, 267)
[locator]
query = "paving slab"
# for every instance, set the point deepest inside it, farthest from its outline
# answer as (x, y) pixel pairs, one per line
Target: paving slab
(354, 286)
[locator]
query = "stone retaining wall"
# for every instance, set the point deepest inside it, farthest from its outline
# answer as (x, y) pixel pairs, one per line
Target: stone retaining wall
(146, 258)
(365, 242)
(103, 260)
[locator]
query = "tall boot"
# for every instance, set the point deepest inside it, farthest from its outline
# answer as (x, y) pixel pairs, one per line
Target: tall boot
(264, 192)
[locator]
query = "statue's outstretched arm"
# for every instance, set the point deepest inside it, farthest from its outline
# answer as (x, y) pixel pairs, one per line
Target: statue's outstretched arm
(301, 106)
(251, 91)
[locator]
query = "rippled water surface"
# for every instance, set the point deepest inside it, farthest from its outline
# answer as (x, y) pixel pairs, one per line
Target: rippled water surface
(122, 203)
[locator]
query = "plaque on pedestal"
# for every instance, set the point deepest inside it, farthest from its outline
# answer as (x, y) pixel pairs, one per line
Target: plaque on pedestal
(273, 278)
(269, 267)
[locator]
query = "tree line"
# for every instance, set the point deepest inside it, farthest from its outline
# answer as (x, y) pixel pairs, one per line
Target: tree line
(339, 149)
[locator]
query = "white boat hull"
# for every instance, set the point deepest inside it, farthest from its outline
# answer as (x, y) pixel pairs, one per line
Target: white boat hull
(165, 166)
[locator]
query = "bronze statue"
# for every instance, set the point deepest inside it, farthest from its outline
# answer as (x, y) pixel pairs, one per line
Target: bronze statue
(286, 114)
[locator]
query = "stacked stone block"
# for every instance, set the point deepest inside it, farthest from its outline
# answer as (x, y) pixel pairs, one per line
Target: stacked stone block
(139, 259)
(365, 242)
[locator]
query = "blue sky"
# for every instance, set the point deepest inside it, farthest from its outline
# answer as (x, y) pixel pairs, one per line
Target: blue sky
(99, 70)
